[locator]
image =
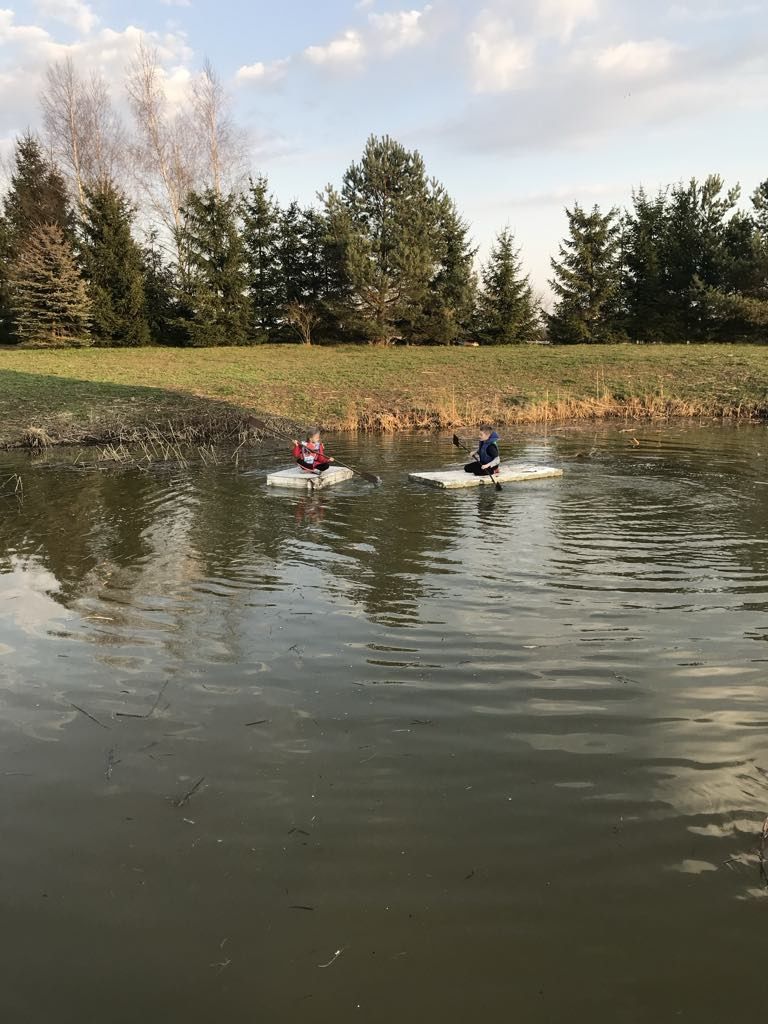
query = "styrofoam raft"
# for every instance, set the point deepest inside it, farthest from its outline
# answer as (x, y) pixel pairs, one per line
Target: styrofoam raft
(454, 478)
(299, 479)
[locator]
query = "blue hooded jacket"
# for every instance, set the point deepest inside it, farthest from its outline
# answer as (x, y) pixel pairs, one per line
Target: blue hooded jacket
(482, 450)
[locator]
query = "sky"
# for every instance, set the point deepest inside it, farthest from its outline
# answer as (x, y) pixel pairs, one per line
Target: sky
(520, 107)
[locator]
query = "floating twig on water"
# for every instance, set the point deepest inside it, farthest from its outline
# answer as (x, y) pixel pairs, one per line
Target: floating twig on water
(260, 721)
(190, 793)
(334, 958)
(147, 714)
(111, 762)
(87, 715)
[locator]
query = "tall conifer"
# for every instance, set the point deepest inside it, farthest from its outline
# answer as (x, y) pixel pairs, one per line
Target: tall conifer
(261, 237)
(49, 299)
(36, 195)
(507, 311)
(587, 279)
(449, 300)
(113, 268)
(215, 296)
(383, 220)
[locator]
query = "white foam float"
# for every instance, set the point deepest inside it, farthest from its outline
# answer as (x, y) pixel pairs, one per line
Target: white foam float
(299, 479)
(455, 478)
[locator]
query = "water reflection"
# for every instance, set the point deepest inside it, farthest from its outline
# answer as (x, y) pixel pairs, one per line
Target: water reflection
(435, 719)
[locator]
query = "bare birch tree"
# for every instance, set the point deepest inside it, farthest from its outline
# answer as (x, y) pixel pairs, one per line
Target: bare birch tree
(223, 141)
(165, 148)
(84, 132)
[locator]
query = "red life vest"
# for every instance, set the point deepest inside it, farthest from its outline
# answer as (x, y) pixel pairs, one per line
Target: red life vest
(310, 454)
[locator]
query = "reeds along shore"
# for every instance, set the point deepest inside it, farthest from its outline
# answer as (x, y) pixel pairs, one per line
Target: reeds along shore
(237, 427)
(452, 413)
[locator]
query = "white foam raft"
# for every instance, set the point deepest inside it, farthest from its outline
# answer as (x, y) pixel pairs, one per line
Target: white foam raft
(454, 478)
(299, 479)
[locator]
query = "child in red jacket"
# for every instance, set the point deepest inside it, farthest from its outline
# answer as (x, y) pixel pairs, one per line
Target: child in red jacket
(310, 454)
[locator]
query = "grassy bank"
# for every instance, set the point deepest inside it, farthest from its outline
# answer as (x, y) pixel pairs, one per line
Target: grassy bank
(82, 394)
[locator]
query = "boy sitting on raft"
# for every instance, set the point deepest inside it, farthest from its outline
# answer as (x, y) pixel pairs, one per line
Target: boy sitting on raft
(310, 454)
(485, 459)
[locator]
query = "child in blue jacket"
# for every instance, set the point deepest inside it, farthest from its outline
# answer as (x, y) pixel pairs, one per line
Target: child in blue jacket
(485, 459)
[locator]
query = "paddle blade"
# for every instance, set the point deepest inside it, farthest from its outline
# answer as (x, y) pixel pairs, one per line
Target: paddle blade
(371, 478)
(457, 442)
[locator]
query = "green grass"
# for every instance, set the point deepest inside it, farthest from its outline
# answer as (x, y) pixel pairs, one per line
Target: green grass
(349, 387)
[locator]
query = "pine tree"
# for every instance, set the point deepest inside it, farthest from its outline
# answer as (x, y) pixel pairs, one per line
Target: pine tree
(737, 306)
(449, 302)
(507, 310)
(587, 279)
(261, 235)
(216, 294)
(695, 255)
(49, 299)
(383, 220)
(113, 268)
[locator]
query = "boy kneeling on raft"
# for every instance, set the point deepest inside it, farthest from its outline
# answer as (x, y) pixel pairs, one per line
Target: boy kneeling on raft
(485, 459)
(310, 454)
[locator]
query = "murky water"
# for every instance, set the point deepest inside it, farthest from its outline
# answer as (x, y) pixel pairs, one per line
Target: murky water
(388, 755)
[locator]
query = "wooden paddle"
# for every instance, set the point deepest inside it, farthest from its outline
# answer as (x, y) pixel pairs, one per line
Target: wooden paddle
(370, 477)
(458, 444)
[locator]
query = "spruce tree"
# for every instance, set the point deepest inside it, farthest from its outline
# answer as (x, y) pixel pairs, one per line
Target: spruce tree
(215, 296)
(49, 299)
(6, 317)
(159, 295)
(645, 285)
(261, 236)
(113, 268)
(448, 306)
(587, 280)
(291, 255)
(507, 311)
(328, 289)
(36, 195)
(383, 220)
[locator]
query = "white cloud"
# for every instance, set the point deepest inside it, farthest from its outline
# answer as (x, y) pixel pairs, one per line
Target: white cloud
(498, 56)
(75, 13)
(30, 49)
(648, 57)
(348, 48)
(21, 35)
(384, 35)
(177, 3)
(398, 29)
(574, 104)
(560, 18)
(261, 72)
(713, 12)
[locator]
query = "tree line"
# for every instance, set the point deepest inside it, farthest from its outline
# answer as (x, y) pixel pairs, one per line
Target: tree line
(155, 235)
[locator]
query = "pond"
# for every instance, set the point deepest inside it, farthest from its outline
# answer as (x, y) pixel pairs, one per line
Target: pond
(388, 754)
